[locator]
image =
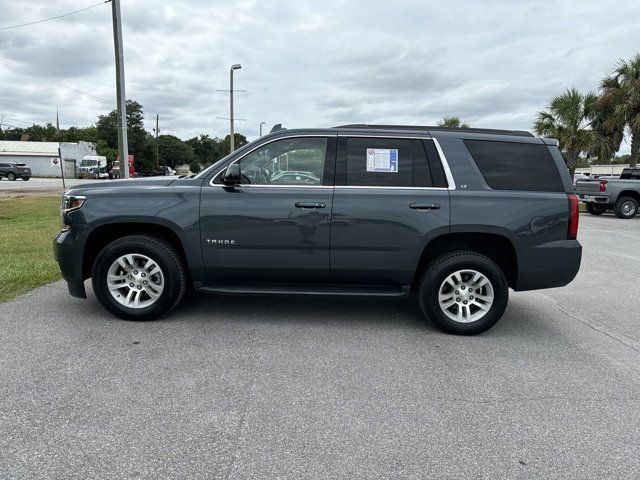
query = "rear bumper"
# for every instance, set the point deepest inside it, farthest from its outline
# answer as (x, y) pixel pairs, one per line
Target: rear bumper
(593, 198)
(550, 265)
(67, 253)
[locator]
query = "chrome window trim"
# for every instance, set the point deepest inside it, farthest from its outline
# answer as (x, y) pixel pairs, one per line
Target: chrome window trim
(284, 137)
(445, 165)
(443, 159)
(347, 187)
(247, 185)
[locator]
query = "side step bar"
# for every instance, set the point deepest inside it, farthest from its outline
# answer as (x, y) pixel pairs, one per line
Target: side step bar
(302, 289)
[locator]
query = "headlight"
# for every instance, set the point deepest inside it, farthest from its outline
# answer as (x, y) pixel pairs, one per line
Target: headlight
(69, 203)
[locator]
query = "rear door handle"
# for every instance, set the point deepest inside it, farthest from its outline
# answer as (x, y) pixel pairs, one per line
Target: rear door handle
(310, 205)
(424, 206)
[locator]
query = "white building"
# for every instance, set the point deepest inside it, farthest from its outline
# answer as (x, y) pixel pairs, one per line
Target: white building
(603, 169)
(39, 156)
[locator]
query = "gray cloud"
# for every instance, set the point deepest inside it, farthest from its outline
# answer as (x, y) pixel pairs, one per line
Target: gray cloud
(495, 63)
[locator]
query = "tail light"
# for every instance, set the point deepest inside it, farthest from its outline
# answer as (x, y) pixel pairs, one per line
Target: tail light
(574, 215)
(603, 185)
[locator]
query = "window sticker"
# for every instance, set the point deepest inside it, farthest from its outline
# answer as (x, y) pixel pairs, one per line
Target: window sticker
(383, 160)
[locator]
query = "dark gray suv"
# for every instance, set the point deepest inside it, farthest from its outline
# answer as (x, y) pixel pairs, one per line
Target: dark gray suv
(12, 171)
(454, 216)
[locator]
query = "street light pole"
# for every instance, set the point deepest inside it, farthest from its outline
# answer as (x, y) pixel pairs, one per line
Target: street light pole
(157, 132)
(236, 66)
(121, 105)
(261, 123)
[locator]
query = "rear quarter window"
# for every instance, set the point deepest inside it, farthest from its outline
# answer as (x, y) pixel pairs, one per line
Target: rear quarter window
(516, 166)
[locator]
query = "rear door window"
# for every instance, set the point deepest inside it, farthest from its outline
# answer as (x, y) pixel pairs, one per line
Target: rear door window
(516, 166)
(386, 162)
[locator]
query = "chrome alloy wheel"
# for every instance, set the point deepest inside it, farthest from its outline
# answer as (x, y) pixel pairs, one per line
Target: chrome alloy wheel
(135, 280)
(465, 296)
(628, 208)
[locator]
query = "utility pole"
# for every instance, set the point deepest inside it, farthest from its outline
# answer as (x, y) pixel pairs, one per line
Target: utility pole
(157, 132)
(236, 66)
(261, 123)
(123, 146)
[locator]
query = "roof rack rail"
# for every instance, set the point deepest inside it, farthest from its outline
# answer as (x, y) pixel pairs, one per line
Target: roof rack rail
(519, 133)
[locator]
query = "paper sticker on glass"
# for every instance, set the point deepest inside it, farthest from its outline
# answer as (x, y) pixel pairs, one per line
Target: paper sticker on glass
(383, 160)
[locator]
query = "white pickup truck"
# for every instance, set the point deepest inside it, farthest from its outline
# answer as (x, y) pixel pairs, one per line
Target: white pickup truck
(93, 166)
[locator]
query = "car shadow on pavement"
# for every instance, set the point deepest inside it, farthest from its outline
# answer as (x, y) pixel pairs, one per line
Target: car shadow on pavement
(523, 317)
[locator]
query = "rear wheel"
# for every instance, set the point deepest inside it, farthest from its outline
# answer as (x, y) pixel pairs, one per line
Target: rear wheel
(595, 209)
(139, 277)
(626, 207)
(463, 292)
(11, 176)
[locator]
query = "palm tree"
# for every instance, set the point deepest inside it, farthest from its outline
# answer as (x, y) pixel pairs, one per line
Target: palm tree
(567, 120)
(453, 122)
(608, 134)
(621, 93)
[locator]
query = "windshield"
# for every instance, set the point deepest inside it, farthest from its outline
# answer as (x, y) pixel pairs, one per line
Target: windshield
(88, 163)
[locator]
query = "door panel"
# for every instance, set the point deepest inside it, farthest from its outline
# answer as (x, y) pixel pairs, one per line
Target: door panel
(276, 226)
(377, 237)
(382, 220)
(258, 233)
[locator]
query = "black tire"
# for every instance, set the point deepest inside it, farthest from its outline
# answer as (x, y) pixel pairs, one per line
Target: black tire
(439, 269)
(595, 209)
(166, 257)
(26, 179)
(11, 176)
(626, 208)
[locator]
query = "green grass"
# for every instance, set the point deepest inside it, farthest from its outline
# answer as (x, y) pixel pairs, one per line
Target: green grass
(28, 226)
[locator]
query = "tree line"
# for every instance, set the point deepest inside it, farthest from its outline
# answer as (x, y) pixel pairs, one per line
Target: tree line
(197, 152)
(591, 126)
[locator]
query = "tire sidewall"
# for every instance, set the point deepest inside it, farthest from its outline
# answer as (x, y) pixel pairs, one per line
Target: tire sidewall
(620, 204)
(442, 269)
(596, 209)
(171, 269)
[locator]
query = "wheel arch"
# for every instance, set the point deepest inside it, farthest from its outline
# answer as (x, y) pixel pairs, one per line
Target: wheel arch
(102, 235)
(629, 193)
(495, 246)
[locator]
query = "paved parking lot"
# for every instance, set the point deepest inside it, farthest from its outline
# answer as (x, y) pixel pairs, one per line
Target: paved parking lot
(37, 186)
(231, 387)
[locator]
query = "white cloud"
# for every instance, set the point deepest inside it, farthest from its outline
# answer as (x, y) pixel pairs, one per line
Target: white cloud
(307, 64)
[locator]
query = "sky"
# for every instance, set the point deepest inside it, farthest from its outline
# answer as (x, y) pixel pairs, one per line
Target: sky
(493, 63)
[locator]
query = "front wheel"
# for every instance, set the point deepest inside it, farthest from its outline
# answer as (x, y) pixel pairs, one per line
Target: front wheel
(595, 209)
(463, 292)
(139, 277)
(626, 207)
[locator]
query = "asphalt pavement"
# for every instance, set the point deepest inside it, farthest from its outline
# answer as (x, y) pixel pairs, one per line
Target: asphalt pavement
(259, 387)
(38, 186)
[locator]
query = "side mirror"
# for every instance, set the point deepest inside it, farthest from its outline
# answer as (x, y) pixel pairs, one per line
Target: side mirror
(232, 175)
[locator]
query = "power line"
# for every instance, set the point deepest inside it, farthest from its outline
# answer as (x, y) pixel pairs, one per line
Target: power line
(56, 17)
(19, 121)
(45, 80)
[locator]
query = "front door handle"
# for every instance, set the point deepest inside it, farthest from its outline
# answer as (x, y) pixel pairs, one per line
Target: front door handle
(310, 205)
(424, 206)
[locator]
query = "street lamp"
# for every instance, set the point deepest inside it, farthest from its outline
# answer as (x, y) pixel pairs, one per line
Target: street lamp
(236, 66)
(261, 123)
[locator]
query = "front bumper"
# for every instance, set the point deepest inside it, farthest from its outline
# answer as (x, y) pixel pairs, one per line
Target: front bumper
(549, 265)
(68, 254)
